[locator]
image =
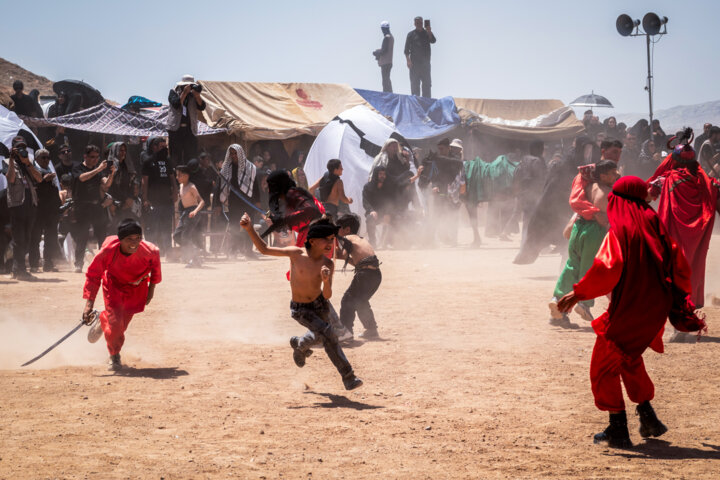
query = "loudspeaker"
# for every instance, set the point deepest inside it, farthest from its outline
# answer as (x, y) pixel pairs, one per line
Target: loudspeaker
(652, 23)
(625, 25)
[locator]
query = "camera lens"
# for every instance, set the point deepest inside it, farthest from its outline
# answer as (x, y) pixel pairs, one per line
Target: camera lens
(23, 153)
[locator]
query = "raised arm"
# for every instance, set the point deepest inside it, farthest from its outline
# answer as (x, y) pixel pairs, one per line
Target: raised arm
(314, 186)
(263, 247)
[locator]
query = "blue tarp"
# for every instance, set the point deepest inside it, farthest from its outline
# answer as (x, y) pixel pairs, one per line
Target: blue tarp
(415, 117)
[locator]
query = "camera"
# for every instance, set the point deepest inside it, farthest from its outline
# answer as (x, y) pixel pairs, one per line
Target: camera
(23, 153)
(69, 203)
(196, 86)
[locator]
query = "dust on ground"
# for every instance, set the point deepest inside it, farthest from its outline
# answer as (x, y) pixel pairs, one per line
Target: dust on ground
(469, 381)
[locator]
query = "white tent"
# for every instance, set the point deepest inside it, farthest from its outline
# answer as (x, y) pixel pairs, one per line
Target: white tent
(355, 136)
(10, 126)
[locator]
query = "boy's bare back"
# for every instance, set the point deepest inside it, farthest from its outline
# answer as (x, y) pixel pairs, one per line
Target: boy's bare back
(361, 249)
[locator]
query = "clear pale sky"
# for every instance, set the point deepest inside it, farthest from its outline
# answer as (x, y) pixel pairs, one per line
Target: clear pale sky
(485, 49)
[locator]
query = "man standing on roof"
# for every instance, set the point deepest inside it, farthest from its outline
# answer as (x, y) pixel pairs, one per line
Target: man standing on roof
(182, 120)
(384, 56)
(417, 53)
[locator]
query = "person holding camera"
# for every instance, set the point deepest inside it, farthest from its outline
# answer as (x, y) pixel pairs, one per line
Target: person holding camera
(91, 180)
(185, 103)
(22, 203)
(384, 56)
(47, 217)
(417, 53)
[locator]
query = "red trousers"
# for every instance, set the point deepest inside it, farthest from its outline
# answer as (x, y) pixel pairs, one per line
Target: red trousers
(607, 366)
(114, 322)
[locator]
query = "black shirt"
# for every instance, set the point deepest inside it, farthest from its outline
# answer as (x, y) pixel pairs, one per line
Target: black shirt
(88, 191)
(417, 45)
(25, 105)
(62, 169)
(47, 192)
(159, 181)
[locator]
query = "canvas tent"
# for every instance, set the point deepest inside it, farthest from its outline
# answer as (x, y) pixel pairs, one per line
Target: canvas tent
(107, 119)
(275, 111)
(415, 117)
(519, 119)
(355, 137)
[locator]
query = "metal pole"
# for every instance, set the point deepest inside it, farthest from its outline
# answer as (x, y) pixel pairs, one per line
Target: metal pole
(649, 80)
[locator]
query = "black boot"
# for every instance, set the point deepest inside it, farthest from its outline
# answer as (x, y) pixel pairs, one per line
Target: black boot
(299, 356)
(350, 381)
(650, 426)
(616, 434)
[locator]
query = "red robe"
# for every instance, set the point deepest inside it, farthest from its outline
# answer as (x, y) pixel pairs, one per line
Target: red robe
(650, 280)
(125, 280)
(578, 197)
(687, 209)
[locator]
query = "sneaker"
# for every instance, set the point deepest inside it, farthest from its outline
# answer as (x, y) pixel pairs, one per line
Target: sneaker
(114, 363)
(23, 275)
(370, 335)
(344, 335)
(298, 355)
(78, 270)
(584, 312)
(34, 269)
(554, 310)
(563, 322)
(51, 268)
(351, 382)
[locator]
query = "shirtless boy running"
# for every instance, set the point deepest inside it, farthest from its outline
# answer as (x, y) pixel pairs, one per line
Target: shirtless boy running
(311, 286)
(358, 252)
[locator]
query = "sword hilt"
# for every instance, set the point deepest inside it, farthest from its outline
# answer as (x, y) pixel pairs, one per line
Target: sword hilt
(91, 318)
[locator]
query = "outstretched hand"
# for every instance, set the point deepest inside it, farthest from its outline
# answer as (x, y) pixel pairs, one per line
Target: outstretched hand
(567, 302)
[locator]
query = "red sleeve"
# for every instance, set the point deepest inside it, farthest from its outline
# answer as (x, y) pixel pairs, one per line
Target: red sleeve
(95, 272)
(579, 201)
(155, 270)
(605, 271)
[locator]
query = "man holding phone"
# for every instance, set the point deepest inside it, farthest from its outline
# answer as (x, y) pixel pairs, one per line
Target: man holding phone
(417, 53)
(90, 182)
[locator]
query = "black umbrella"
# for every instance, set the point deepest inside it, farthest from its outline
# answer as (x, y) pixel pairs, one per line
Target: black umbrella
(593, 100)
(90, 96)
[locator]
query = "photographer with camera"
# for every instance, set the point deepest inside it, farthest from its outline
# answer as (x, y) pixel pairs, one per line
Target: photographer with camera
(417, 54)
(22, 203)
(47, 217)
(185, 102)
(90, 182)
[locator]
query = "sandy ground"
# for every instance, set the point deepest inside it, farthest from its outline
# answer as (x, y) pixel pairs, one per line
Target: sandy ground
(469, 381)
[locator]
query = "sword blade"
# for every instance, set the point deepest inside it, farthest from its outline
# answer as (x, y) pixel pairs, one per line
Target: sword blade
(54, 345)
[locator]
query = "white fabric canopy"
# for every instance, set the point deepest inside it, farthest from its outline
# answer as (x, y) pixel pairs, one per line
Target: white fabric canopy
(340, 140)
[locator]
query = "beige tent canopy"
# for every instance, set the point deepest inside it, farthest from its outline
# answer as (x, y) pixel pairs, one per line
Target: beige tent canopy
(266, 111)
(519, 119)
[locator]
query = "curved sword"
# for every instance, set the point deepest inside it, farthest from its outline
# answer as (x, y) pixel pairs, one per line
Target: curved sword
(82, 322)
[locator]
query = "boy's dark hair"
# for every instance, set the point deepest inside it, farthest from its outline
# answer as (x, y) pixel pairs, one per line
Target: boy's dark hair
(537, 147)
(66, 179)
(90, 149)
(349, 220)
(603, 167)
(609, 143)
(333, 165)
(183, 169)
(325, 221)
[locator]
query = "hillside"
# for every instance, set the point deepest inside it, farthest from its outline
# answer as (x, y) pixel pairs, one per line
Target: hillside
(673, 119)
(9, 72)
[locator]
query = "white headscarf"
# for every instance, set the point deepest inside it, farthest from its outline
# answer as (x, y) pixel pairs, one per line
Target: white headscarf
(381, 160)
(246, 172)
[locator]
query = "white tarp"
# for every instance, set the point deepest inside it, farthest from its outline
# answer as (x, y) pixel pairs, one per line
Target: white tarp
(10, 125)
(340, 140)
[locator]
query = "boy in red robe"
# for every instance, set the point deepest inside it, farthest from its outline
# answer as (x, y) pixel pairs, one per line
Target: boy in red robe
(688, 198)
(650, 281)
(129, 269)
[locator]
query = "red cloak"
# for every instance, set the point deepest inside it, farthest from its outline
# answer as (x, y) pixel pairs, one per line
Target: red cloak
(644, 269)
(687, 209)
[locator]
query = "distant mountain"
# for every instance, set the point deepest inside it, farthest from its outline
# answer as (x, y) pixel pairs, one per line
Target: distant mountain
(673, 119)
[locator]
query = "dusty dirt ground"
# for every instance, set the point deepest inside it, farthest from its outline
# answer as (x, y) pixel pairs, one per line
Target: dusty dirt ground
(469, 381)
